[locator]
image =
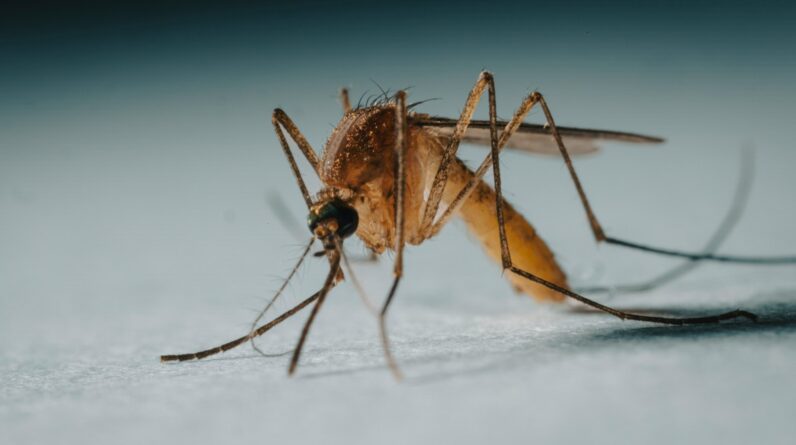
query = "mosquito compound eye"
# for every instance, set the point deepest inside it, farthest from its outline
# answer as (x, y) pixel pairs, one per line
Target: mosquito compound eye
(345, 215)
(347, 221)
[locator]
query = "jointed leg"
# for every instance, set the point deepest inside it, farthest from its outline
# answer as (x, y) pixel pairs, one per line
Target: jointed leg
(508, 265)
(440, 179)
(524, 108)
(401, 130)
(599, 233)
(719, 236)
(430, 228)
(279, 119)
(334, 264)
(596, 228)
(278, 294)
(239, 341)
(629, 315)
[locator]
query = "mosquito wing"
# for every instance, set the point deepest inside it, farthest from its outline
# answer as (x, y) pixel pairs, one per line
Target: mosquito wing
(532, 138)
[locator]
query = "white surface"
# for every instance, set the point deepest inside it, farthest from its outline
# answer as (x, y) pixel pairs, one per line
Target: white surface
(496, 369)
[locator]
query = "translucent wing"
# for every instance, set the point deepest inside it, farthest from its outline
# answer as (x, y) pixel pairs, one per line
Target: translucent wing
(531, 138)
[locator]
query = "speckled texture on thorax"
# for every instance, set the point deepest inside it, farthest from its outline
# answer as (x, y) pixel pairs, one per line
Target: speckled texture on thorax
(360, 156)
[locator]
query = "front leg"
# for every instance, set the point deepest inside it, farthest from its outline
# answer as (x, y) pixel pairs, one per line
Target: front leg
(280, 119)
(329, 283)
(401, 140)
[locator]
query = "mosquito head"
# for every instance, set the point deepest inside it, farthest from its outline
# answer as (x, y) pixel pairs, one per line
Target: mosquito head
(334, 216)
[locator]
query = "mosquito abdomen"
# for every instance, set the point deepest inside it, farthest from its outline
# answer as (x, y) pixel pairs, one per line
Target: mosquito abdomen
(528, 249)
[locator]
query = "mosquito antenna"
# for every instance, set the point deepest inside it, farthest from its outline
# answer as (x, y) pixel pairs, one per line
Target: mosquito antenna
(239, 341)
(731, 218)
(354, 281)
(278, 294)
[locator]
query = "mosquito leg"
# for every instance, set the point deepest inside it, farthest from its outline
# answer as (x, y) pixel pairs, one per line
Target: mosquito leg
(334, 260)
(596, 228)
(731, 218)
(401, 125)
(525, 107)
(239, 341)
(279, 119)
(385, 339)
(599, 233)
(440, 179)
(509, 265)
(344, 100)
(629, 315)
(279, 294)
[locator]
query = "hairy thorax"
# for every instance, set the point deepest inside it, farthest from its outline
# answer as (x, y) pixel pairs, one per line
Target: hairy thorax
(359, 162)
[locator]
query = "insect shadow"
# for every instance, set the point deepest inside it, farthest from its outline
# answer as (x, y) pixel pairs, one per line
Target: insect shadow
(777, 312)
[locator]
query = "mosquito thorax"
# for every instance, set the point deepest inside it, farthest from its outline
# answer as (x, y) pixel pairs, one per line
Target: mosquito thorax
(345, 217)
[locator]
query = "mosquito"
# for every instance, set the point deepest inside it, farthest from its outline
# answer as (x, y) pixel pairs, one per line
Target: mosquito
(391, 176)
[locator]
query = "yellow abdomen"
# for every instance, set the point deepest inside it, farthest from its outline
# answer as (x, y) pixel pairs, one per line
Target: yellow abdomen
(528, 251)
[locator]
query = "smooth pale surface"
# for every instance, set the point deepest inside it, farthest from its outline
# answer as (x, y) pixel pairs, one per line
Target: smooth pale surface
(476, 371)
(134, 182)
